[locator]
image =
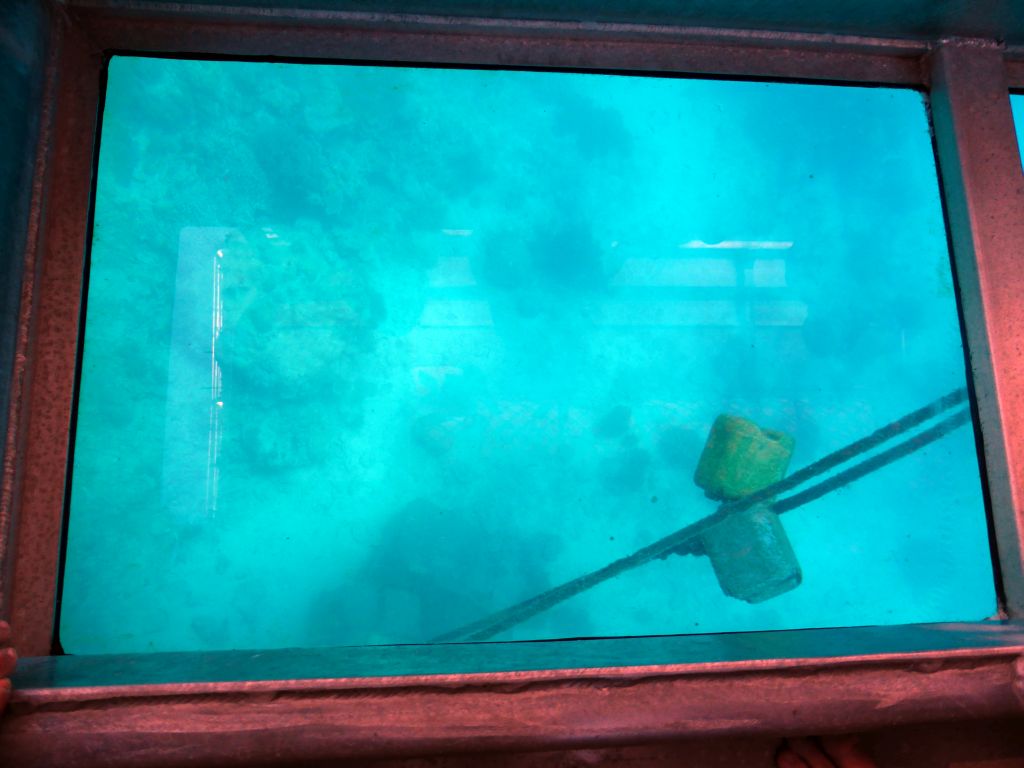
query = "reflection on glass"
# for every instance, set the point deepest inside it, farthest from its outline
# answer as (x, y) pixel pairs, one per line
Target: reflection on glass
(374, 353)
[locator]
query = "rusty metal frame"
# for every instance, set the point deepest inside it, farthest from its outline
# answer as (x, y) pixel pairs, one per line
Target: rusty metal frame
(411, 38)
(40, 416)
(1015, 67)
(302, 722)
(983, 183)
(975, 671)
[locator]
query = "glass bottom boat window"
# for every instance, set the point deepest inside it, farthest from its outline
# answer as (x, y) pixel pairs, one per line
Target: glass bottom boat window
(1017, 106)
(380, 355)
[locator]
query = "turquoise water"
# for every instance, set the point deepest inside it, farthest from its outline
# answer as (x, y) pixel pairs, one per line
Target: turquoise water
(371, 353)
(1017, 105)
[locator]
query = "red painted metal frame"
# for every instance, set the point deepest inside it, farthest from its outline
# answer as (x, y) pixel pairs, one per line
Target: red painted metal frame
(8, 659)
(504, 42)
(1015, 67)
(244, 722)
(299, 723)
(984, 186)
(44, 373)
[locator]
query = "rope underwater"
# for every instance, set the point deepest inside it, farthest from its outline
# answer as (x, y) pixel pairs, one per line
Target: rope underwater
(686, 540)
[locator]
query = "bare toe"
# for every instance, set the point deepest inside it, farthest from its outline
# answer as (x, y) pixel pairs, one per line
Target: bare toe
(846, 753)
(810, 753)
(787, 758)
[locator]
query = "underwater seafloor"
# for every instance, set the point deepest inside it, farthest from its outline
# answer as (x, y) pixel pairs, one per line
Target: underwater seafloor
(373, 352)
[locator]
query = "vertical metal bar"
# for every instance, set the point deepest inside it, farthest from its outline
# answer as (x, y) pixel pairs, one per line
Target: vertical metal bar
(983, 185)
(19, 236)
(48, 340)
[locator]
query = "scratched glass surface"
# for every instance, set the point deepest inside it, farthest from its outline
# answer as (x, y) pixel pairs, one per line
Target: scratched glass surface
(374, 353)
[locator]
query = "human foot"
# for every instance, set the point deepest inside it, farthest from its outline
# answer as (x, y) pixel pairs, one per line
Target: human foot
(827, 752)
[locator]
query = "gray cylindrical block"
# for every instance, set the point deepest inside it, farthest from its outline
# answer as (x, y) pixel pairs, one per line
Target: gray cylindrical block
(752, 556)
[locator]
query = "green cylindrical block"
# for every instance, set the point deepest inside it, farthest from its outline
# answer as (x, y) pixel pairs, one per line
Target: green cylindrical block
(752, 556)
(740, 458)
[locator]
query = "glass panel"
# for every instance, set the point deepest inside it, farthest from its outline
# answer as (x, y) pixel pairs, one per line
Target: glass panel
(1017, 105)
(372, 353)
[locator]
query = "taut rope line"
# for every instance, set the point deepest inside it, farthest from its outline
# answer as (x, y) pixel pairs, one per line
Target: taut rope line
(686, 540)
